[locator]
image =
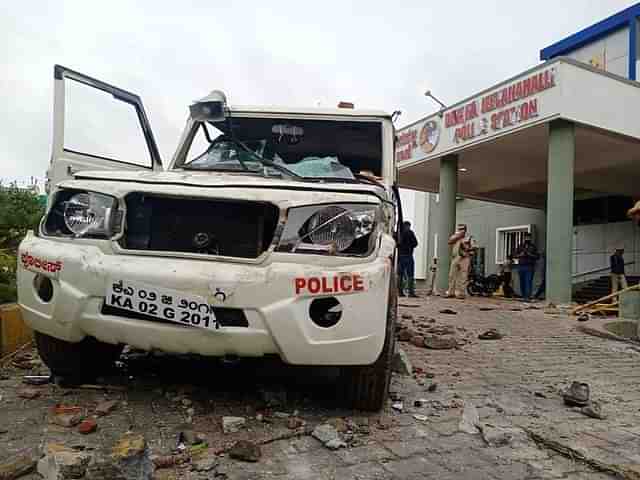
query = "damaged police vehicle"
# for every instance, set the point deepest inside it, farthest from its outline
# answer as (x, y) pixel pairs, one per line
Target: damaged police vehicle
(271, 232)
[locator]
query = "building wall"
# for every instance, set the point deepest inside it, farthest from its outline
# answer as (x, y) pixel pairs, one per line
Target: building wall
(594, 244)
(610, 53)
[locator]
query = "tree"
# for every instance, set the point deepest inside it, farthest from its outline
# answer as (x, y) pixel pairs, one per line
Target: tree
(20, 211)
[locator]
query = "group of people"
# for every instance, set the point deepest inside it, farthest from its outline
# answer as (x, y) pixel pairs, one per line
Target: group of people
(526, 257)
(462, 251)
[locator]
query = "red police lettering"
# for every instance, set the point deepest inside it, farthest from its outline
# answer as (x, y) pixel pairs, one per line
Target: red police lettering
(313, 285)
(334, 284)
(300, 284)
(345, 284)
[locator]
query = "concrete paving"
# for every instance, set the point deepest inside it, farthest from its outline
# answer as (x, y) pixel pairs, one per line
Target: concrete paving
(513, 384)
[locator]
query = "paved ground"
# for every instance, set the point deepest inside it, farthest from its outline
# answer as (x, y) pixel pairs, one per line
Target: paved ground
(514, 384)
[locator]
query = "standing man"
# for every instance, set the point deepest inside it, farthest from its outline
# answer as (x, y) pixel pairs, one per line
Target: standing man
(618, 280)
(460, 262)
(527, 255)
(406, 264)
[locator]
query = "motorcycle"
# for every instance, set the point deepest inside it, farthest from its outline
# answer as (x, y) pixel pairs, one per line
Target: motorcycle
(479, 285)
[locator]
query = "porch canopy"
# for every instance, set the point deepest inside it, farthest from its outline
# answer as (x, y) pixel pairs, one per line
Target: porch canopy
(538, 139)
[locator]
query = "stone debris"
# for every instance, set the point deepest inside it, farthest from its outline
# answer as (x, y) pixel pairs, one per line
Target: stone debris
(421, 418)
(495, 436)
(281, 414)
(15, 467)
(335, 444)
(294, 423)
(106, 407)
(339, 424)
(448, 311)
(62, 463)
(404, 335)
(245, 451)
(470, 419)
(491, 334)
(232, 424)
(132, 457)
(87, 426)
(67, 420)
(329, 436)
(191, 437)
(205, 464)
(594, 410)
(28, 393)
(186, 402)
(417, 340)
(440, 342)
(406, 316)
(400, 363)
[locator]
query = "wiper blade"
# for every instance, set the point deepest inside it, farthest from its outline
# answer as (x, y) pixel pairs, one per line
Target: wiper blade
(266, 162)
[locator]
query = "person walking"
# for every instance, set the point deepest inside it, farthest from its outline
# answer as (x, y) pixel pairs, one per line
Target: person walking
(527, 255)
(618, 280)
(406, 264)
(460, 263)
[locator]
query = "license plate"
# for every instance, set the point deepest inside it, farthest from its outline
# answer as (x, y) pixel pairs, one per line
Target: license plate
(162, 303)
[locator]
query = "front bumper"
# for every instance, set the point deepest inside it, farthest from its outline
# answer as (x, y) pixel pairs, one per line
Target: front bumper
(278, 318)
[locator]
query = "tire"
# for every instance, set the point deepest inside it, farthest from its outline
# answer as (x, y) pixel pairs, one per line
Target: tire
(367, 387)
(474, 290)
(83, 360)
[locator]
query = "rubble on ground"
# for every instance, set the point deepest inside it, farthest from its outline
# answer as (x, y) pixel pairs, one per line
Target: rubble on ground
(232, 424)
(401, 363)
(245, 451)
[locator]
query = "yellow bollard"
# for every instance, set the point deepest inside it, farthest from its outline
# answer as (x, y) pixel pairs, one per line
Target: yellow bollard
(14, 333)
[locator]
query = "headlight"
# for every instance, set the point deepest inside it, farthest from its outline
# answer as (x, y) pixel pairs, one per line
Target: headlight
(83, 214)
(334, 229)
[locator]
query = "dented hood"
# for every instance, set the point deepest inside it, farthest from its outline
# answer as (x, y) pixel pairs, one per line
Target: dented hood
(220, 179)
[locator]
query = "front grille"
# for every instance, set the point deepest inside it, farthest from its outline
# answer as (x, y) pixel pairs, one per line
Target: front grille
(214, 227)
(227, 317)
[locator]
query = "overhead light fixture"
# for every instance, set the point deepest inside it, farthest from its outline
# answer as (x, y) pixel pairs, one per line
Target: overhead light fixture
(443, 107)
(463, 170)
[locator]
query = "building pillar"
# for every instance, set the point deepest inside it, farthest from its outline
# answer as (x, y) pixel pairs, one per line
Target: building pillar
(446, 216)
(560, 197)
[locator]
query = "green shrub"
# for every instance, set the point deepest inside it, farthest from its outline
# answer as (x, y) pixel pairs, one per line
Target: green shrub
(20, 211)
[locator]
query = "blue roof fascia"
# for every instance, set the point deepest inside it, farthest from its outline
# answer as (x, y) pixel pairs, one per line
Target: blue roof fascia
(590, 34)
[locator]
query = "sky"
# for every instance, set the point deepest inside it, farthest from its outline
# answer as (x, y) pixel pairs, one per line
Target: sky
(380, 55)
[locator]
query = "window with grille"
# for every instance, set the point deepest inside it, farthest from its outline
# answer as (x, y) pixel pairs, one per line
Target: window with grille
(508, 239)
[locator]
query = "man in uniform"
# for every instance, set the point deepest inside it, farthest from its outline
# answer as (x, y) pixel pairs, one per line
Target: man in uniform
(460, 262)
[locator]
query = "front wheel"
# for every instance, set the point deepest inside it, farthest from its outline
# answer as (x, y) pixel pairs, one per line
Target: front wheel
(367, 387)
(83, 360)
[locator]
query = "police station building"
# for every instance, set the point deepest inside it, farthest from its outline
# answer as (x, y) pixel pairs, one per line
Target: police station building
(553, 151)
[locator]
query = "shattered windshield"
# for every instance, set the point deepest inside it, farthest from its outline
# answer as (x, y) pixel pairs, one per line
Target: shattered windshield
(309, 149)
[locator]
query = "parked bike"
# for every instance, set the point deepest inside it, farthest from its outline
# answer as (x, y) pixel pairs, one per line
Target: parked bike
(479, 285)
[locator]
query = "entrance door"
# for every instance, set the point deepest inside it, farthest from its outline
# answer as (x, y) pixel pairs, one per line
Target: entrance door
(97, 126)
